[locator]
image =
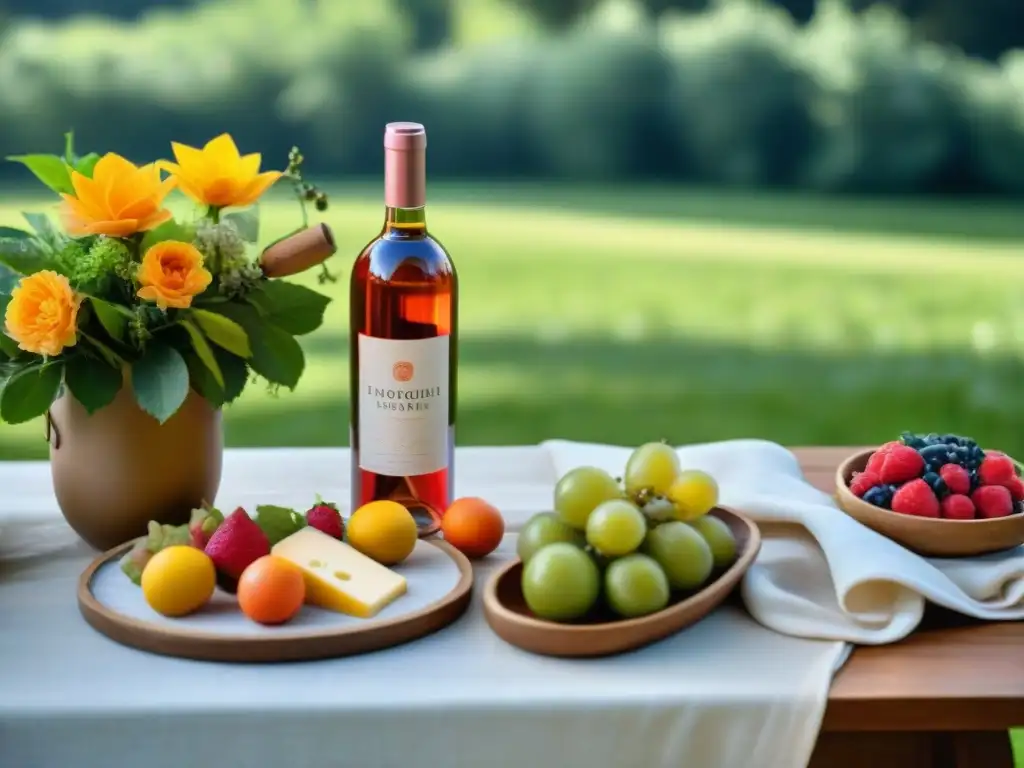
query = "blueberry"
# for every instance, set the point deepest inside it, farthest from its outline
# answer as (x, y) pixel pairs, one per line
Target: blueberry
(880, 495)
(975, 480)
(936, 483)
(935, 453)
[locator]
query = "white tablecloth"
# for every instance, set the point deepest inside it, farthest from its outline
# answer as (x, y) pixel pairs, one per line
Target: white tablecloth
(727, 693)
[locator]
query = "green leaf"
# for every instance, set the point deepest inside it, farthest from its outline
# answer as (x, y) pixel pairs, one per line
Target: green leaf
(30, 392)
(233, 368)
(49, 169)
(278, 523)
(276, 355)
(223, 332)
(247, 222)
(8, 346)
(85, 165)
(169, 230)
(44, 227)
(293, 307)
(160, 380)
(24, 255)
(93, 383)
(112, 317)
(8, 279)
(203, 351)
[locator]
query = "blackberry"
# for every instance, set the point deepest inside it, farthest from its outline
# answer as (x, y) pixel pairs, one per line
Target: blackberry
(936, 483)
(880, 495)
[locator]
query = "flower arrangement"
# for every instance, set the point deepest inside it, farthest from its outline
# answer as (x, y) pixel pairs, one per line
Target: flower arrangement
(124, 294)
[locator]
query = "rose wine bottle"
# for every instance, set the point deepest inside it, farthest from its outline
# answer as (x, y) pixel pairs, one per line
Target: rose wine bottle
(403, 347)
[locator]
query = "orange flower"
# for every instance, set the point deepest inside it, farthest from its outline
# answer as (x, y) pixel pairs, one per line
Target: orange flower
(119, 200)
(217, 175)
(171, 274)
(43, 313)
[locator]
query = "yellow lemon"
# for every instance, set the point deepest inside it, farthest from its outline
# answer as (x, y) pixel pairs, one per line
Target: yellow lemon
(383, 531)
(178, 580)
(693, 493)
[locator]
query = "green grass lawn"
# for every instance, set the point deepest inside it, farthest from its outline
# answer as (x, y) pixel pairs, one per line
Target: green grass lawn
(627, 314)
(622, 315)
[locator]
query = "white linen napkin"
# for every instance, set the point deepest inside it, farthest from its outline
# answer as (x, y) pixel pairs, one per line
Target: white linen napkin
(821, 574)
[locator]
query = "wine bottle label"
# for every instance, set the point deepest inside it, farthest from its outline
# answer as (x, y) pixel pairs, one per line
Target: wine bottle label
(403, 405)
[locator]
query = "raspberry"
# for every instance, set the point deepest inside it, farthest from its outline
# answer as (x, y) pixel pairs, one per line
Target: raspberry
(957, 507)
(992, 501)
(876, 458)
(901, 464)
(957, 479)
(997, 469)
(916, 498)
(1016, 489)
(862, 481)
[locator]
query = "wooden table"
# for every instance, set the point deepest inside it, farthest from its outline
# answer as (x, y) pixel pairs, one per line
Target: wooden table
(942, 698)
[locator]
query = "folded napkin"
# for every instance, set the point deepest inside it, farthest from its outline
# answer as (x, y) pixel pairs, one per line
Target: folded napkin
(820, 573)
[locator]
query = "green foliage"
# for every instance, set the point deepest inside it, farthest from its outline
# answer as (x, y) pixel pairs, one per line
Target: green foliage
(49, 169)
(22, 253)
(169, 230)
(92, 382)
(30, 391)
(223, 331)
(294, 308)
(160, 380)
(276, 355)
(247, 222)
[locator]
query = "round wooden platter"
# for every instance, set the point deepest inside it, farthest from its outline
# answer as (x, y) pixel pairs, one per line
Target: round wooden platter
(603, 635)
(440, 584)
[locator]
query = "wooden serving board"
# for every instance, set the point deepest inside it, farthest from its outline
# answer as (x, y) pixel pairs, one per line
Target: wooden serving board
(440, 580)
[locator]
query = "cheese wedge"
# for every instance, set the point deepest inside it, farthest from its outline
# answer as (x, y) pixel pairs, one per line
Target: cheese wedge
(338, 577)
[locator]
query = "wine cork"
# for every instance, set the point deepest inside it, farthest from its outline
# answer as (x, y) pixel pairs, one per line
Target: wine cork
(297, 253)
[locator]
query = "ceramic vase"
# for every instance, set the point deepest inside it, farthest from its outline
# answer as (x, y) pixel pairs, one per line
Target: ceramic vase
(116, 469)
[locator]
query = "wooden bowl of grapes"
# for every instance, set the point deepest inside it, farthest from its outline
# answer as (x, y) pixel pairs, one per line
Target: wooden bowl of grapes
(610, 605)
(985, 516)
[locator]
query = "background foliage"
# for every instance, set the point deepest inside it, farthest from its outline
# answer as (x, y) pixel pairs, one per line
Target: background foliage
(734, 93)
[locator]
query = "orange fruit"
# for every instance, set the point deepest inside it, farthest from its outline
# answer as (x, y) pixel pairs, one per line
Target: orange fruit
(271, 590)
(473, 526)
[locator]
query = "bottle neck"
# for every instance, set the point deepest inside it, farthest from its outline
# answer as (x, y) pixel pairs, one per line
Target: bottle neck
(407, 220)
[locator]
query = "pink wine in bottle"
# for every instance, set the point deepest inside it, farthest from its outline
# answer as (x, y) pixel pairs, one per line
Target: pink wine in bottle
(403, 347)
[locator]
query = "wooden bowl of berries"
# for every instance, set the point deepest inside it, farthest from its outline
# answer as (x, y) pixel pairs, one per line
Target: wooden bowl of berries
(938, 495)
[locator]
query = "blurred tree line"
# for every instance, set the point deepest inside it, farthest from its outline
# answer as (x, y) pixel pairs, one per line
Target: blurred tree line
(740, 93)
(984, 28)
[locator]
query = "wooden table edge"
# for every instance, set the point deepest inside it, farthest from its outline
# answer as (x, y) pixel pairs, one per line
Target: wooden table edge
(921, 683)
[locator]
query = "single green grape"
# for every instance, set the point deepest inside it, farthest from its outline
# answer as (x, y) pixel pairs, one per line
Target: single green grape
(694, 493)
(542, 529)
(635, 585)
(561, 582)
(616, 528)
(682, 553)
(653, 466)
(579, 492)
(719, 538)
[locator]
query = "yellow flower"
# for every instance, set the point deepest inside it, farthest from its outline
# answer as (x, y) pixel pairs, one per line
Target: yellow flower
(171, 274)
(119, 200)
(217, 175)
(43, 313)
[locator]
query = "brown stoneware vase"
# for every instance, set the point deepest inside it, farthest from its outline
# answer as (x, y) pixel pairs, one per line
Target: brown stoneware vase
(118, 468)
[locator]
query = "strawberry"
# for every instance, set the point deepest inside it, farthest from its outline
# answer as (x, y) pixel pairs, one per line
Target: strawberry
(992, 501)
(902, 463)
(325, 517)
(997, 469)
(956, 506)
(236, 543)
(957, 479)
(876, 458)
(1016, 489)
(916, 498)
(861, 482)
